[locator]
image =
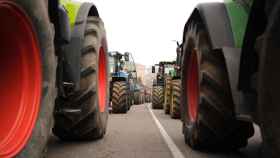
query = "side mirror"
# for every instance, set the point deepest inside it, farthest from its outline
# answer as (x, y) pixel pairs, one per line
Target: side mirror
(153, 69)
(126, 56)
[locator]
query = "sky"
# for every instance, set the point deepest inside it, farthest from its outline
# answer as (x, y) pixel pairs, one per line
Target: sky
(146, 28)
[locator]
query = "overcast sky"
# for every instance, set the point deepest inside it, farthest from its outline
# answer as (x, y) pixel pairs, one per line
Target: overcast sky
(145, 27)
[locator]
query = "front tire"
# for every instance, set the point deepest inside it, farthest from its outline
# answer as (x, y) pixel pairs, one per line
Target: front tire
(83, 114)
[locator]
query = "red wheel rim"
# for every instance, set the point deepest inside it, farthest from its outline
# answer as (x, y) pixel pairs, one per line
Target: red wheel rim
(192, 87)
(102, 80)
(20, 82)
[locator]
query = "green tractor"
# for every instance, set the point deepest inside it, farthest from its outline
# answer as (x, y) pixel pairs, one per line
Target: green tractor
(170, 73)
(230, 75)
(54, 75)
(171, 90)
(164, 72)
(123, 81)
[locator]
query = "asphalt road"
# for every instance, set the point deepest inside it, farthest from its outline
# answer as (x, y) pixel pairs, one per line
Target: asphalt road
(137, 135)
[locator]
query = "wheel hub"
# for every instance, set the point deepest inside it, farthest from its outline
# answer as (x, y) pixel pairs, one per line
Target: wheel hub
(193, 86)
(102, 80)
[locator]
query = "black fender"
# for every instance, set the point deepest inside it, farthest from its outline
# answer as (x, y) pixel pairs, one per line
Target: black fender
(216, 21)
(72, 56)
(64, 26)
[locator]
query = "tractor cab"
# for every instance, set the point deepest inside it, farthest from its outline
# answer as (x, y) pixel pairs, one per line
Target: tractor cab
(163, 69)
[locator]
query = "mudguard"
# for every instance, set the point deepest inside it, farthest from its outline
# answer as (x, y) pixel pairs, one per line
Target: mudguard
(73, 49)
(64, 26)
(215, 18)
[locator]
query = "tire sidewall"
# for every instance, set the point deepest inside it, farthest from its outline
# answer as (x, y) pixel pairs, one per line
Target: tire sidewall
(103, 116)
(38, 13)
(190, 43)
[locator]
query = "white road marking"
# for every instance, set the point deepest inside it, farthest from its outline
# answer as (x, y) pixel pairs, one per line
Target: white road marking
(170, 143)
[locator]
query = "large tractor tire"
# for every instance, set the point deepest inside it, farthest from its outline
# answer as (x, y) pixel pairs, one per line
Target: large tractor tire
(120, 97)
(268, 83)
(83, 114)
(28, 72)
(175, 99)
(207, 107)
(157, 97)
(167, 95)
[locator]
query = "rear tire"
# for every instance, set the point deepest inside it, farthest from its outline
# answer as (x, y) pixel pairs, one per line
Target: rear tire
(167, 95)
(90, 122)
(207, 107)
(120, 97)
(157, 97)
(175, 99)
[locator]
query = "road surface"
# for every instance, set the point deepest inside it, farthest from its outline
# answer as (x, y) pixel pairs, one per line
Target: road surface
(143, 133)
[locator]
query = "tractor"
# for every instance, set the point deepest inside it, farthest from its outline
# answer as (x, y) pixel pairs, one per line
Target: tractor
(54, 75)
(172, 87)
(230, 76)
(165, 69)
(123, 81)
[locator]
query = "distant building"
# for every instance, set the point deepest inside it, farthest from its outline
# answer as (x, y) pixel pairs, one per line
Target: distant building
(144, 73)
